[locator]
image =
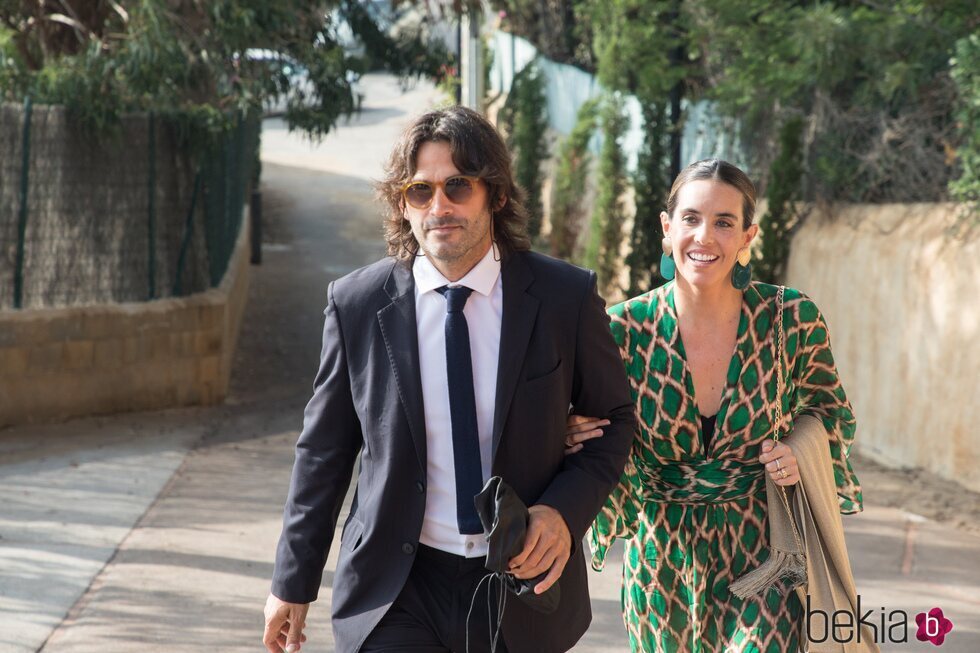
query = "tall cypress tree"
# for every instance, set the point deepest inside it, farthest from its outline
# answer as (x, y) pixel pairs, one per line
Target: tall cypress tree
(652, 184)
(525, 115)
(785, 179)
(567, 212)
(608, 216)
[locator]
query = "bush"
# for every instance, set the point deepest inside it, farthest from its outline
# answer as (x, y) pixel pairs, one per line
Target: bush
(965, 70)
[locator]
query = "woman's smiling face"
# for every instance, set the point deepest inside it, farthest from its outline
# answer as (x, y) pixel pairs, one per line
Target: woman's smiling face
(707, 231)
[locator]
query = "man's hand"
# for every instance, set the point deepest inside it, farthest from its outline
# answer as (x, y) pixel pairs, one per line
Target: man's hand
(548, 545)
(284, 623)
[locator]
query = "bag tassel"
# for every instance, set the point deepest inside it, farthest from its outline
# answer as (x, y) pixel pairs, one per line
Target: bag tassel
(780, 566)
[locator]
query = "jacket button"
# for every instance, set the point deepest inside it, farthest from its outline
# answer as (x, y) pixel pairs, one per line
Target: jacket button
(420, 487)
(408, 548)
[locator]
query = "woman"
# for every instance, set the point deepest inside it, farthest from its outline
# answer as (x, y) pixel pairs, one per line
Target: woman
(701, 355)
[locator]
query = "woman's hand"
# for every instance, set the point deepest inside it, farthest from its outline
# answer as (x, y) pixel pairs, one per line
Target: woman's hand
(780, 463)
(578, 429)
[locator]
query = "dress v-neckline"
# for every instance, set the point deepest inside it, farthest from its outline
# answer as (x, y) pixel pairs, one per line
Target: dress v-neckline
(734, 369)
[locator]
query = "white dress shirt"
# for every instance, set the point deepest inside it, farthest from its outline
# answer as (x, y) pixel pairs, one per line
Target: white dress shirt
(483, 312)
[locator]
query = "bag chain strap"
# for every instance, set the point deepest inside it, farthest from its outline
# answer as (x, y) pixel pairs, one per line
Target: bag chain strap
(781, 356)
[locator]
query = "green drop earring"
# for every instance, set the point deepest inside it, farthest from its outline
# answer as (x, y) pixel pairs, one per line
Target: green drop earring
(667, 266)
(742, 272)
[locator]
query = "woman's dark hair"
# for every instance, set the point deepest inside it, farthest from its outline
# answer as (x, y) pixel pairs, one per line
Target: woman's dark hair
(477, 150)
(721, 171)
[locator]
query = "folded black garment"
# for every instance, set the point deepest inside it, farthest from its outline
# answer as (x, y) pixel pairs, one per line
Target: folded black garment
(505, 518)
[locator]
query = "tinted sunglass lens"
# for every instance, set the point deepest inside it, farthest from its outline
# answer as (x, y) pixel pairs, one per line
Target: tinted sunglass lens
(418, 195)
(459, 189)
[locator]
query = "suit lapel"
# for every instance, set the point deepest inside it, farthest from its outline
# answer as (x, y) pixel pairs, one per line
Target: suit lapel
(520, 312)
(400, 333)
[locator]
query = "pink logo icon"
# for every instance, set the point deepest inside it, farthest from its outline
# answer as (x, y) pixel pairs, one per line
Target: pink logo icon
(933, 626)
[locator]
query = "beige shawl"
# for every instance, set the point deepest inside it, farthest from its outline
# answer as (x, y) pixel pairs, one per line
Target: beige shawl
(828, 580)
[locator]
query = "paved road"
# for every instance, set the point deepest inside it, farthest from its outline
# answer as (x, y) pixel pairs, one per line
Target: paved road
(156, 531)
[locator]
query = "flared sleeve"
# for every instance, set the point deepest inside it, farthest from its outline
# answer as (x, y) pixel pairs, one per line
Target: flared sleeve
(618, 517)
(818, 392)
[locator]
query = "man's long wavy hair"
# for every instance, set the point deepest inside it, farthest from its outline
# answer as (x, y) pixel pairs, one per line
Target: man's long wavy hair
(477, 150)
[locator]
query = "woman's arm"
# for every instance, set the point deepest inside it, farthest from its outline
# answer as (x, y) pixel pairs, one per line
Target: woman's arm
(819, 393)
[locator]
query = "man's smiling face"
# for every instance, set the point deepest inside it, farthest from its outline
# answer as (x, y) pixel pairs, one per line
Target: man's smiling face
(452, 235)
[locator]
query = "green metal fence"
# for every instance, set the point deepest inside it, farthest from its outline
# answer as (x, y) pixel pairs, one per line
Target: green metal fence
(135, 216)
(221, 185)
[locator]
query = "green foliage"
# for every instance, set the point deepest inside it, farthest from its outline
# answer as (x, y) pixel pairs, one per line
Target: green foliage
(871, 82)
(412, 54)
(639, 46)
(486, 52)
(966, 75)
(569, 188)
(448, 81)
(554, 27)
(651, 183)
(632, 41)
(885, 120)
(525, 114)
(188, 60)
(608, 216)
(782, 193)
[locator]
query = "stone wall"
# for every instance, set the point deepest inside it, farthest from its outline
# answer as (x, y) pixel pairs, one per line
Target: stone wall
(899, 285)
(67, 362)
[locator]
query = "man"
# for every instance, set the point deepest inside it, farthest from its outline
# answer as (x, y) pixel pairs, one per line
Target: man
(453, 360)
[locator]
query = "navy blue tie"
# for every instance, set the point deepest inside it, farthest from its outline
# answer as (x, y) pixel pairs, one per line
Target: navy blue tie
(462, 410)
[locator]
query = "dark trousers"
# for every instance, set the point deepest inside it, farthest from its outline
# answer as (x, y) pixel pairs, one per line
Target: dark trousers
(429, 615)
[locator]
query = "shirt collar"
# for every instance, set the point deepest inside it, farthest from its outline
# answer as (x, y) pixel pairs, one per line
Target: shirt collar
(481, 278)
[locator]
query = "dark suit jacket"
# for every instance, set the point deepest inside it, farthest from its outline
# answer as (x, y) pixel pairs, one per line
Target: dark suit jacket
(555, 349)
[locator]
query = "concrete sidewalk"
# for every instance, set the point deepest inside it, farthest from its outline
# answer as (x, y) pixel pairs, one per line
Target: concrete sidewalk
(188, 568)
(69, 496)
(156, 532)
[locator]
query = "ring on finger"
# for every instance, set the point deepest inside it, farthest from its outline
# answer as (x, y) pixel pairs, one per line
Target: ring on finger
(783, 474)
(779, 465)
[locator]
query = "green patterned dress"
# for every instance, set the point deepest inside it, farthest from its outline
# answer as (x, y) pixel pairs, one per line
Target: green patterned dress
(694, 520)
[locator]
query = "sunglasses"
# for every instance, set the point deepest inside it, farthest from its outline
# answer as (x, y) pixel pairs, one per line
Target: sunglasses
(458, 190)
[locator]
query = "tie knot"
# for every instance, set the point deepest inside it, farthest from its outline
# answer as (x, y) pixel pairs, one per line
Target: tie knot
(456, 297)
